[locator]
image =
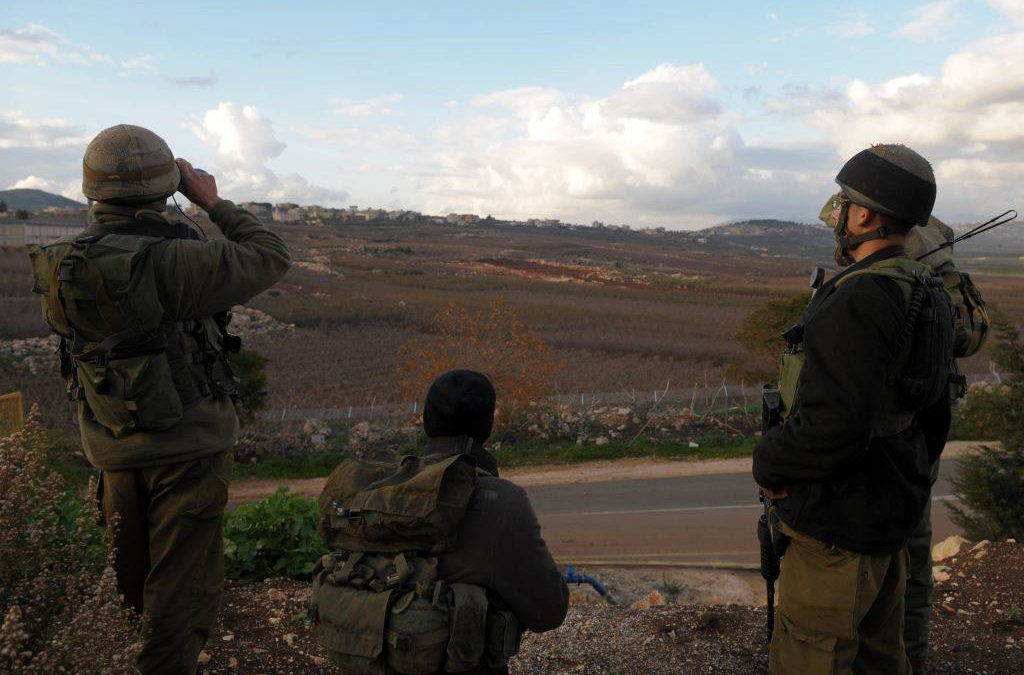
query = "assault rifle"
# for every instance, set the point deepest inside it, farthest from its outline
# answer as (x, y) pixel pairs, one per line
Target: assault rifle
(773, 543)
(771, 416)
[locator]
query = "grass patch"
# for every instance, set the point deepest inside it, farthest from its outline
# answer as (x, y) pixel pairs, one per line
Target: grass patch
(710, 446)
(299, 465)
(529, 453)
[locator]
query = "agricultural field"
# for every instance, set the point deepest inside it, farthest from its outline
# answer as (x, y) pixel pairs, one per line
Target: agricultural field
(620, 310)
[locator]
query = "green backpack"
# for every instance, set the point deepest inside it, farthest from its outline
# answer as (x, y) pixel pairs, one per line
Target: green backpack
(378, 605)
(971, 320)
(128, 367)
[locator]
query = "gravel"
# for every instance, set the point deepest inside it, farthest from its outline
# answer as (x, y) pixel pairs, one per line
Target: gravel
(978, 628)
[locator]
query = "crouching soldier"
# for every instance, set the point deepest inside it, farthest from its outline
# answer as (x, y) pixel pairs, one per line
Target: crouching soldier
(439, 564)
(140, 304)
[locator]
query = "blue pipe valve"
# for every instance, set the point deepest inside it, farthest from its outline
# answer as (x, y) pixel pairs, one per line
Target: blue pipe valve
(572, 577)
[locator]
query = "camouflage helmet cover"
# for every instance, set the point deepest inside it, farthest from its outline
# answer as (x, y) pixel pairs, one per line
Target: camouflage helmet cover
(128, 164)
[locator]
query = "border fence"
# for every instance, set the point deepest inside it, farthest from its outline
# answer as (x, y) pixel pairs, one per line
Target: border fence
(704, 399)
(699, 399)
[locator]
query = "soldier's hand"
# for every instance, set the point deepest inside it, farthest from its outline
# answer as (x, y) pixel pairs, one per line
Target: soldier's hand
(199, 187)
(781, 493)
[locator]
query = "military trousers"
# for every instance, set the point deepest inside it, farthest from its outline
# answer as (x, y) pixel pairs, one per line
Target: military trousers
(918, 597)
(839, 612)
(168, 524)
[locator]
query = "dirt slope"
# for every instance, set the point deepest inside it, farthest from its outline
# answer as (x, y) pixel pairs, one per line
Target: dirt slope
(978, 628)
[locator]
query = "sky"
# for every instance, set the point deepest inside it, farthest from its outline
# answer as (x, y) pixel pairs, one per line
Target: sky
(675, 114)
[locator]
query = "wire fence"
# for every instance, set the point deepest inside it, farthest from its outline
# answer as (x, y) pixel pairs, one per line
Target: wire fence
(702, 399)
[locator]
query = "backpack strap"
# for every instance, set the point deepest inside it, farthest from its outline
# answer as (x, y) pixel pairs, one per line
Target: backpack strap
(140, 227)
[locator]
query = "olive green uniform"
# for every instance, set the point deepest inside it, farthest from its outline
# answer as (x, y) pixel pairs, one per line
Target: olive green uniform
(165, 490)
(918, 597)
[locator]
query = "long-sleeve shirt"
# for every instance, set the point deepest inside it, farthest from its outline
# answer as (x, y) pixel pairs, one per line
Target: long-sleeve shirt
(500, 547)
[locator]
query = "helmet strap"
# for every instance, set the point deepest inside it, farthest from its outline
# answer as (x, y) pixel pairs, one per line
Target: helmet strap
(845, 243)
(855, 241)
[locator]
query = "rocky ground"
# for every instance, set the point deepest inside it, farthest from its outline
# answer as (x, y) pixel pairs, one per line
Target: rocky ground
(978, 626)
(38, 354)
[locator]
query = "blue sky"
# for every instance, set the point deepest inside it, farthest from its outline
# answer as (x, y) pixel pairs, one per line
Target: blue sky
(678, 114)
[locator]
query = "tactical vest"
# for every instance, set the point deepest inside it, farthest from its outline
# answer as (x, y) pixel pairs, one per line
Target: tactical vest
(127, 366)
(923, 367)
(378, 605)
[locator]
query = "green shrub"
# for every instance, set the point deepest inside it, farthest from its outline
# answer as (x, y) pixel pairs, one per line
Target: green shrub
(990, 484)
(274, 537)
(248, 366)
(760, 335)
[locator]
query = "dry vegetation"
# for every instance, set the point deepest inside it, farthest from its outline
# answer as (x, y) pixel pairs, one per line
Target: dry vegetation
(621, 311)
(494, 340)
(60, 608)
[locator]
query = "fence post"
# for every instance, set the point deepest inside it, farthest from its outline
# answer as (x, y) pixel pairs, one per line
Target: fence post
(12, 413)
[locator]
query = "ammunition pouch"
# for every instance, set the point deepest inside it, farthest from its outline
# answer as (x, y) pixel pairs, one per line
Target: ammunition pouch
(771, 407)
(385, 614)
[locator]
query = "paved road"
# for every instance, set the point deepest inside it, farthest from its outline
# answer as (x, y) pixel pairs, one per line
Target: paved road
(674, 520)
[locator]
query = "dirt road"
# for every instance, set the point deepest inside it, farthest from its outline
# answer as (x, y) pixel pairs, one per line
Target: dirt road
(643, 511)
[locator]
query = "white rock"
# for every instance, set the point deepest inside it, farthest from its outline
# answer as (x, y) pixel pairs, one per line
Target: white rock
(203, 658)
(947, 548)
(601, 440)
(980, 545)
(940, 573)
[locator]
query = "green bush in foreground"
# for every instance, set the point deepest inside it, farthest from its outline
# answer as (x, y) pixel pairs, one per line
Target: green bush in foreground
(990, 484)
(274, 537)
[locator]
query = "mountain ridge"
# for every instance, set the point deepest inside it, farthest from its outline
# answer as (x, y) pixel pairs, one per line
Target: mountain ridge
(31, 199)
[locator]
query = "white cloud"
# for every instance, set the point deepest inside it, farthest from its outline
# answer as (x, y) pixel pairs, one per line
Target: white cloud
(966, 119)
(657, 149)
(20, 131)
(930, 21)
(381, 105)
(1013, 9)
(71, 189)
(38, 45)
(851, 25)
(244, 142)
(799, 99)
(143, 62)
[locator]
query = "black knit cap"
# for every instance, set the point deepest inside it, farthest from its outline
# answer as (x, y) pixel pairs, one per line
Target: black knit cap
(460, 403)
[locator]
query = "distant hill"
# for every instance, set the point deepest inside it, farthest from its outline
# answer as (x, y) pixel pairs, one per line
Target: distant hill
(776, 237)
(34, 200)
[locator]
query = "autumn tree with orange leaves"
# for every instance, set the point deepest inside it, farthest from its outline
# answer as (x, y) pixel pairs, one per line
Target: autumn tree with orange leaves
(491, 340)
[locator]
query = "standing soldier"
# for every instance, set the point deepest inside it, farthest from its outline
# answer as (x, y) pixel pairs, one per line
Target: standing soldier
(140, 303)
(865, 394)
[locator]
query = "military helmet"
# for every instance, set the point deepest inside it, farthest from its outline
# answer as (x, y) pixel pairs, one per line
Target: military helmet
(892, 180)
(128, 164)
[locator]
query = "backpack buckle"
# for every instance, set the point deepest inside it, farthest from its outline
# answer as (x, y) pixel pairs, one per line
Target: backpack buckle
(66, 270)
